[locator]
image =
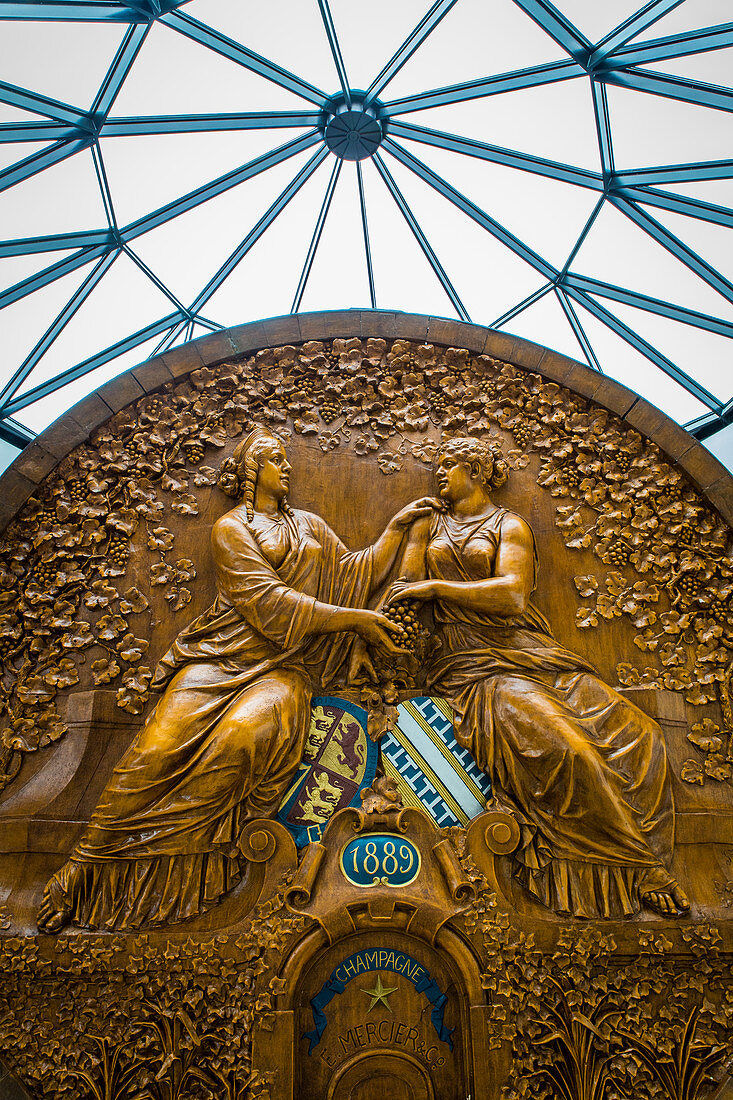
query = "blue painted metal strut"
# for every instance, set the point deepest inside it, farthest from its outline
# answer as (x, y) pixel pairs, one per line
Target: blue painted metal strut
(55, 329)
(333, 43)
(414, 40)
(532, 77)
(479, 216)
(316, 238)
(644, 347)
(650, 13)
(716, 96)
(365, 229)
(44, 158)
(643, 301)
(505, 318)
(235, 51)
(512, 158)
(192, 124)
(559, 28)
(673, 45)
(118, 70)
(26, 100)
(421, 239)
(578, 330)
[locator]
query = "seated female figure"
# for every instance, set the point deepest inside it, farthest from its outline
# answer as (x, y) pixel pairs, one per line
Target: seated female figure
(223, 743)
(584, 770)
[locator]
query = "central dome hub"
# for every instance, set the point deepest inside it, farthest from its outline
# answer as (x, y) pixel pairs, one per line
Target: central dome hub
(352, 131)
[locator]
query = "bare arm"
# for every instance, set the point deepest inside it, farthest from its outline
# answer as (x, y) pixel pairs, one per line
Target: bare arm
(506, 593)
(387, 546)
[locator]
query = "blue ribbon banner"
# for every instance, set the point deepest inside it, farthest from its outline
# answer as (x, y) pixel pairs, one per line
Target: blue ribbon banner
(362, 963)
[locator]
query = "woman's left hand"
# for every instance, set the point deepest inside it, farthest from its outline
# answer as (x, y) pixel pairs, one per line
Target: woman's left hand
(417, 509)
(409, 590)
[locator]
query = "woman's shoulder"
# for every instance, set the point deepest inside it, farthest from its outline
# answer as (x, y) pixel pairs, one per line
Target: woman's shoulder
(512, 525)
(232, 524)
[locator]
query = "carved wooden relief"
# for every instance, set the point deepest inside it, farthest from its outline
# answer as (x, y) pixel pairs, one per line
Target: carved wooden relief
(366, 731)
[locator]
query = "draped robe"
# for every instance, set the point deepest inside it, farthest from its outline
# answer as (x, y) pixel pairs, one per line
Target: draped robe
(583, 769)
(224, 741)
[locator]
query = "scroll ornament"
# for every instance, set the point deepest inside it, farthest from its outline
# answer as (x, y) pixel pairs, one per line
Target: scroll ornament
(67, 615)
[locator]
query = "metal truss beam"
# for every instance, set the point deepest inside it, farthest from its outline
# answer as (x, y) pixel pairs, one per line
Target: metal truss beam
(635, 24)
(421, 239)
(650, 305)
(675, 173)
(80, 369)
(496, 154)
(26, 246)
(414, 40)
(554, 23)
(17, 435)
(603, 127)
(673, 45)
(578, 330)
(532, 77)
(25, 100)
(118, 70)
(521, 306)
(365, 230)
(36, 131)
(52, 273)
(470, 209)
(316, 238)
(333, 43)
(679, 204)
(44, 158)
(235, 51)
(644, 348)
(674, 245)
(72, 11)
(671, 87)
(194, 124)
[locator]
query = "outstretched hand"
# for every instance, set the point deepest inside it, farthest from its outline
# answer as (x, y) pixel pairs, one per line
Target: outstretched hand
(409, 590)
(379, 631)
(417, 509)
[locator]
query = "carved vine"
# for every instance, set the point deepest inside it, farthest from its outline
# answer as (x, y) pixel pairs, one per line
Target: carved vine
(587, 1022)
(177, 1017)
(668, 557)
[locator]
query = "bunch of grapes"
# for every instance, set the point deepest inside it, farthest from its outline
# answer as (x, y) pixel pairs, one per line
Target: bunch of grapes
(618, 554)
(330, 410)
(194, 451)
(524, 432)
(407, 624)
(118, 550)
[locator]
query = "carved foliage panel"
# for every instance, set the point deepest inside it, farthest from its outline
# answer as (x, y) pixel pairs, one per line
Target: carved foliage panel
(106, 550)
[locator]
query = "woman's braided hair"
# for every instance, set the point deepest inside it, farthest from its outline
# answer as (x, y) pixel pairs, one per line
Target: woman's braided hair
(238, 474)
(485, 456)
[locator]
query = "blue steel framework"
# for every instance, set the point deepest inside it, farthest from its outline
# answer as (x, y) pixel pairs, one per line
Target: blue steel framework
(618, 59)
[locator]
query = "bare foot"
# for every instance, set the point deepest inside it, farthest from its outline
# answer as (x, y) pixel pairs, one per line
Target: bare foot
(670, 902)
(53, 913)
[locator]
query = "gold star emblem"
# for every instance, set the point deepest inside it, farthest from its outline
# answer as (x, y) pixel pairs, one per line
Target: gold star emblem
(379, 993)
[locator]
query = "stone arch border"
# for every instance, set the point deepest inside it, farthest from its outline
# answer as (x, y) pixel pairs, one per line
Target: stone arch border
(40, 457)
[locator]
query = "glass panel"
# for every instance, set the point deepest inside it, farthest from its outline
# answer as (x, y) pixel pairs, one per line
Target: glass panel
(13, 152)
(711, 67)
(721, 445)
(545, 214)
(124, 301)
(545, 323)
(713, 242)
(652, 129)
(59, 199)
(145, 173)
(616, 251)
(688, 16)
(495, 38)
(42, 413)
(14, 269)
(719, 192)
(555, 121)
(175, 75)
(369, 36)
(489, 278)
(703, 355)
(70, 60)
(304, 50)
(632, 369)
(596, 20)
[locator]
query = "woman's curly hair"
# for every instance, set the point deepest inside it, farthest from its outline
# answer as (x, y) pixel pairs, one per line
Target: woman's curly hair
(238, 474)
(485, 457)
